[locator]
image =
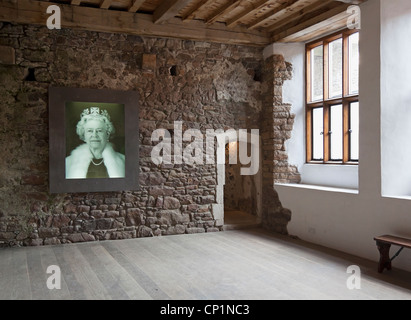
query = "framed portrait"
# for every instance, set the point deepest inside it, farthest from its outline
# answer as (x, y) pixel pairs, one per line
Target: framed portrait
(93, 139)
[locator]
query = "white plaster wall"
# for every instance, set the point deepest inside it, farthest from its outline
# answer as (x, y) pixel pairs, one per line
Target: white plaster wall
(396, 97)
(292, 94)
(349, 221)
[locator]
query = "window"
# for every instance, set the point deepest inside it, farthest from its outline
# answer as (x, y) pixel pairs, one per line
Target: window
(332, 109)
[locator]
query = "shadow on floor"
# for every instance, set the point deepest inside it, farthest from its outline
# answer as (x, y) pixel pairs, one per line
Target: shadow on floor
(237, 220)
(395, 277)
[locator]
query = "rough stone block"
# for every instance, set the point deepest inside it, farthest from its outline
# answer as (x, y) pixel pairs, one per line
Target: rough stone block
(68, 229)
(7, 235)
(97, 214)
(171, 217)
(160, 191)
(104, 224)
(113, 214)
(52, 241)
(133, 217)
(33, 180)
(7, 55)
(70, 208)
(36, 242)
(80, 237)
(195, 230)
(207, 199)
(171, 203)
(149, 62)
(48, 232)
(21, 236)
(112, 201)
(89, 225)
(81, 209)
(144, 231)
(60, 221)
(122, 235)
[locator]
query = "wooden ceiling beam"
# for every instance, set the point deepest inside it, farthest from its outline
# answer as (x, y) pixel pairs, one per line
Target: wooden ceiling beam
(190, 14)
(248, 11)
(105, 4)
(114, 21)
(291, 20)
(230, 5)
(136, 5)
(319, 30)
(310, 23)
(168, 9)
(352, 1)
(270, 14)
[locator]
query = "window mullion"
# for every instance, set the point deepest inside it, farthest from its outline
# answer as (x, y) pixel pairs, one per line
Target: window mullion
(346, 104)
(326, 71)
(309, 132)
(326, 133)
(308, 72)
(346, 128)
(346, 66)
(326, 106)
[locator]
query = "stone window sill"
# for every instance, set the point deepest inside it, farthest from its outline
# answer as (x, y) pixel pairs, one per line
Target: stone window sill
(319, 188)
(388, 196)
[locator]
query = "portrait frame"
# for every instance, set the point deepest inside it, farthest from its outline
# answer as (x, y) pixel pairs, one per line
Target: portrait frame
(64, 99)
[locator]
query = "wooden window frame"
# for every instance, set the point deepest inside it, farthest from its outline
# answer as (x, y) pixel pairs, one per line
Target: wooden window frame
(345, 100)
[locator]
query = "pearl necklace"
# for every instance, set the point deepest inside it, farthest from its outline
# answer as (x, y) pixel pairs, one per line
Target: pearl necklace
(97, 164)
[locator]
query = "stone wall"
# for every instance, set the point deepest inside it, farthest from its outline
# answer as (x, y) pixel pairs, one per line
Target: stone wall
(205, 85)
(276, 127)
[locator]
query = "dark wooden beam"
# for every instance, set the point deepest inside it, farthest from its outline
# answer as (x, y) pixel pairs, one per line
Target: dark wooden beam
(272, 13)
(95, 19)
(308, 12)
(136, 5)
(190, 14)
(319, 21)
(248, 11)
(168, 9)
(320, 30)
(105, 4)
(352, 1)
(230, 5)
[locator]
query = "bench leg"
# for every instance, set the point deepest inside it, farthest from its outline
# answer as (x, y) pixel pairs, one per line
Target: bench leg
(385, 261)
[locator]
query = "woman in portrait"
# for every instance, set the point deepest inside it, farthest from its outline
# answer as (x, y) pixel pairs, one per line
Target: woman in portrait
(96, 158)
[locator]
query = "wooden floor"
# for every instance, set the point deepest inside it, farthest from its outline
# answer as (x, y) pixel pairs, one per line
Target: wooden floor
(234, 265)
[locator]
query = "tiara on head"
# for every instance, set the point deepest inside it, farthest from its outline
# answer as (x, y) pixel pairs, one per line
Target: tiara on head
(95, 111)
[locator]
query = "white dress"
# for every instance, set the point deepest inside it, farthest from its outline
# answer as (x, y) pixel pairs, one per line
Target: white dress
(78, 162)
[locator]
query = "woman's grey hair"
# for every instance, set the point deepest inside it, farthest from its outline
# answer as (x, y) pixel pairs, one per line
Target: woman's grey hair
(95, 114)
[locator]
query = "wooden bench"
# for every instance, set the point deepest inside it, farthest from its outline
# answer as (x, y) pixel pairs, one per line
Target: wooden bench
(384, 244)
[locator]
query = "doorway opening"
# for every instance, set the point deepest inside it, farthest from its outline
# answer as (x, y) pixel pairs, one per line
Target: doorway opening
(242, 193)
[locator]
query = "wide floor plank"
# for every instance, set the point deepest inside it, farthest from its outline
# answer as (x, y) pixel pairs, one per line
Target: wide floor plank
(6, 280)
(21, 288)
